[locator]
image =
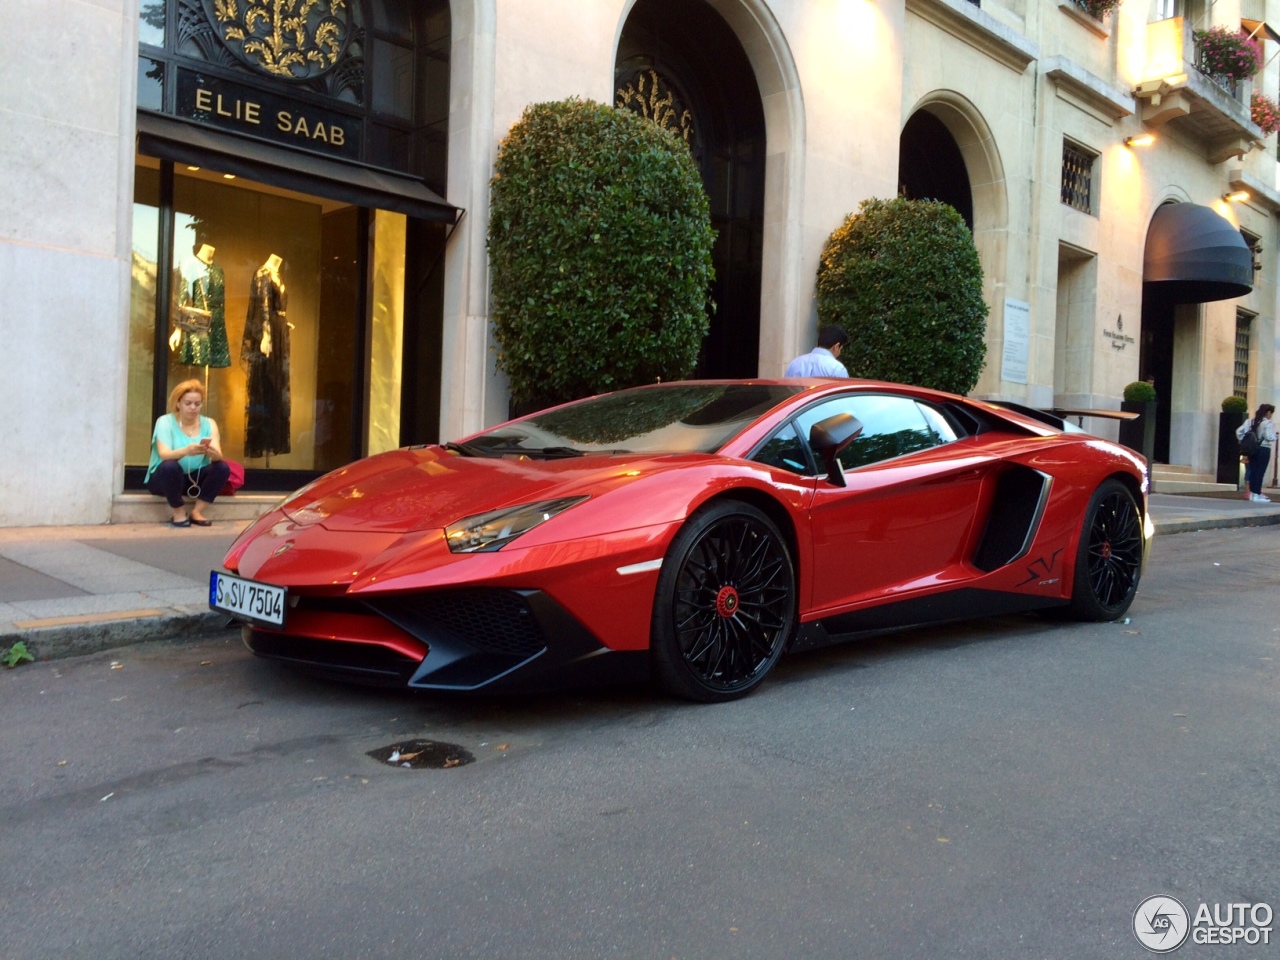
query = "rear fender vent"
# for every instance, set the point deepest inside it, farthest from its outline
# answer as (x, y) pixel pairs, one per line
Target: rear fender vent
(1016, 508)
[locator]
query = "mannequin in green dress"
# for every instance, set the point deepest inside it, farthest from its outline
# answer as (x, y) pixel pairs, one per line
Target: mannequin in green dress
(204, 286)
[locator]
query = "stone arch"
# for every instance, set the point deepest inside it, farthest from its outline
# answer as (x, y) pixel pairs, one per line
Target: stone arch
(784, 296)
(981, 156)
(989, 191)
(931, 167)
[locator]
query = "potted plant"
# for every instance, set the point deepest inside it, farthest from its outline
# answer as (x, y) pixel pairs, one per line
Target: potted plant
(1265, 112)
(1228, 53)
(1234, 411)
(1098, 8)
(1139, 434)
(903, 278)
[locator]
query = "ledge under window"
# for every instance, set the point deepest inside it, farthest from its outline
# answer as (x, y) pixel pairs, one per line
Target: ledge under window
(1091, 23)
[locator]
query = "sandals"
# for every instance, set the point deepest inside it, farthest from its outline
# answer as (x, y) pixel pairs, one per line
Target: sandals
(201, 523)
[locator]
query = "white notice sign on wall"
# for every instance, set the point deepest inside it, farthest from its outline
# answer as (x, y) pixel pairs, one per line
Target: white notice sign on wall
(1017, 341)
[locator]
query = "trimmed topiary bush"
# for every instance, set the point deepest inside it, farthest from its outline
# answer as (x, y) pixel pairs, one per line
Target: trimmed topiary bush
(1235, 405)
(600, 245)
(903, 278)
(1139, 392)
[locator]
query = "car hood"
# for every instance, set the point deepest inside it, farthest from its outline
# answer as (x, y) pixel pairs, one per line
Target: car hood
(429, 487)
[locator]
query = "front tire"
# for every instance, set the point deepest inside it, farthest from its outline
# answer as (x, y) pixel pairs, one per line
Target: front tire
(725, 604)
(1109, 557)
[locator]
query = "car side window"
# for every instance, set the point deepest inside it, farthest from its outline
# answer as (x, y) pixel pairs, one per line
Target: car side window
(785, 451)
(942, 428)
(892, 427)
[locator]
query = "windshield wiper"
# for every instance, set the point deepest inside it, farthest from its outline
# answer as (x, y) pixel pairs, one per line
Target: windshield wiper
(539, 453)
(466, 449)
(507, 449)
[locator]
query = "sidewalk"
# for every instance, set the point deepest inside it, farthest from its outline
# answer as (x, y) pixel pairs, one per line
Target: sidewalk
(67, 591)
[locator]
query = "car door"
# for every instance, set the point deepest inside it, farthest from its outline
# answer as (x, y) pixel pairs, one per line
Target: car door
(904, 519)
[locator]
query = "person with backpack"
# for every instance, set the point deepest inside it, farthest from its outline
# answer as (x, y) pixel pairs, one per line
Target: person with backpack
(1257, 437)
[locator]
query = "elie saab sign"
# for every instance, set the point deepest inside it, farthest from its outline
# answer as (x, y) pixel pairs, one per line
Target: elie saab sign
(244, 109)
(285, 43)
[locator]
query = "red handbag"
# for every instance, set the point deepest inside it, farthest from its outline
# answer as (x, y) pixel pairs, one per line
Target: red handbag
(235, 480)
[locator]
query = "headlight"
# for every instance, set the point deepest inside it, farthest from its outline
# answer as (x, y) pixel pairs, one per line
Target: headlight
(490, 531)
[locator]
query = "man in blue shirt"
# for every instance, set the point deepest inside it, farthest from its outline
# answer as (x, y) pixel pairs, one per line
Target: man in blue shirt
(823, 361)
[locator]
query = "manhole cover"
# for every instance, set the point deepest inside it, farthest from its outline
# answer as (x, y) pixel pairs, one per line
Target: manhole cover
(423, 755)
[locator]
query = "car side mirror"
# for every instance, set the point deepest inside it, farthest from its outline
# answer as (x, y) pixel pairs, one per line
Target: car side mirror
(829, 437)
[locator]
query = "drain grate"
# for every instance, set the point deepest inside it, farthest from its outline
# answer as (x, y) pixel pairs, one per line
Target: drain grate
(423, 755)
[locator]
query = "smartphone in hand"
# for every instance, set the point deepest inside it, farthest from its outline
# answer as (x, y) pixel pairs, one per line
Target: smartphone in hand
(205, 441)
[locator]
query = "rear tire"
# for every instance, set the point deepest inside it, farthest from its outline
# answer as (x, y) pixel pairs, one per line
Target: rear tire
(725, 604)
(1109, 556)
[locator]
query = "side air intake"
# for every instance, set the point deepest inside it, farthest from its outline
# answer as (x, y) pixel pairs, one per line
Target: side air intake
(1016, 509)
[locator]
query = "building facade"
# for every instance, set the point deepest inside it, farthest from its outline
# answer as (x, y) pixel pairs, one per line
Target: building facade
(288, 202)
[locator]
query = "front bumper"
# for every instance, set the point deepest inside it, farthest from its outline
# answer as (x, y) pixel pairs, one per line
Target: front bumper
(466, 639)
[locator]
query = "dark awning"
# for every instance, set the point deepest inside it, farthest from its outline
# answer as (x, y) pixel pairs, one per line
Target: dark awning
(1194, 255)
(191, 143)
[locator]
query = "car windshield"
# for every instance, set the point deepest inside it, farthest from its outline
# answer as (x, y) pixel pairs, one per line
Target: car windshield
(671, 418)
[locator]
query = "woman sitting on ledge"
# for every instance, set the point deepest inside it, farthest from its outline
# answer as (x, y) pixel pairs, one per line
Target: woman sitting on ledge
(186, 456)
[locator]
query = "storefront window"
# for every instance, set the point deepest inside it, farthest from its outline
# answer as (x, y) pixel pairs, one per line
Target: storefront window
(314, 320)
(142, 308)
(247, 261)
(264, 307)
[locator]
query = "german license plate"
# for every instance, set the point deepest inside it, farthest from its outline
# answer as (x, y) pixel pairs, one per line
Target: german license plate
(262, 603)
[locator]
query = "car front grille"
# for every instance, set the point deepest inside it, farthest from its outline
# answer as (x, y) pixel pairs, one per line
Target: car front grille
(487, 620)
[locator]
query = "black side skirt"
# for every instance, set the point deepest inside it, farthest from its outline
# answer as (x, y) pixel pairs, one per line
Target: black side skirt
(966, 604)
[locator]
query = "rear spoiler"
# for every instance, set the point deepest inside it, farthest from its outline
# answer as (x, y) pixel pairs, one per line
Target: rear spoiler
(1057, 417)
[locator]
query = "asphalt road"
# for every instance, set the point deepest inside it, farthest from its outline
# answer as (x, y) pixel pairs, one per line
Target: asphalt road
(1011, 789)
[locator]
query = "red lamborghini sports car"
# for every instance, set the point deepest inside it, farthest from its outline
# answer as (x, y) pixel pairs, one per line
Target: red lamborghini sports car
(694, 530)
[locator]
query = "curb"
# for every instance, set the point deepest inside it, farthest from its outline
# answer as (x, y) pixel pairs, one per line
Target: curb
(76, 640)
(1190, 525)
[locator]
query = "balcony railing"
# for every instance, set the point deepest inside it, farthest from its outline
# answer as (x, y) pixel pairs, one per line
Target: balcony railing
(1231, 87)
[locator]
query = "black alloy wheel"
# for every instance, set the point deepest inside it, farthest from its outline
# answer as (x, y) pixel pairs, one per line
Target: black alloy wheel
(725, 604)
(1109, 558)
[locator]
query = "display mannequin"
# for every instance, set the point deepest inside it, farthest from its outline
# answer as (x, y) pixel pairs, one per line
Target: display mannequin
(204, 288)
(265, 352)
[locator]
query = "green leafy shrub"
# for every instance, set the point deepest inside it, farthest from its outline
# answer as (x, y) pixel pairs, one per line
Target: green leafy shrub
(903, 279)
(1234, 404)
(16, 654)
(1139, 392)
(600, 245)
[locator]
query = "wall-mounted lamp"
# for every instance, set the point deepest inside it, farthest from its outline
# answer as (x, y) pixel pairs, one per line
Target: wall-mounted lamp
(1142, 140)
(1236, 196)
